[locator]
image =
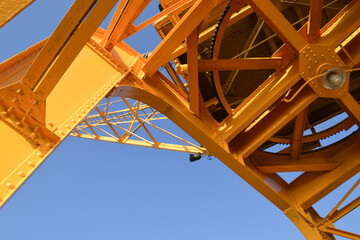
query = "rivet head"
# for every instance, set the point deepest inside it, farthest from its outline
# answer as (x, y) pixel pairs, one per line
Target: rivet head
(40, 155)
(49, 145)
(33, 135)
(51, 124)
(68, 126)
(19, 91)
(21, 174)
(10, 185)
(18, 124)
(4, 114)
(61, 132)
(73, 120)
(31, 164)
(14, 100)
(78, 115)
(34, 103)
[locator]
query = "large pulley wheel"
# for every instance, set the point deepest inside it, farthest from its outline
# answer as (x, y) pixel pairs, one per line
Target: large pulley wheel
(323, 53)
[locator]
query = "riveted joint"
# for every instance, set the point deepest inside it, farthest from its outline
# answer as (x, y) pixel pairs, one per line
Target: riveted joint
(4, 114)
(33, 135)
(19, 91)
(49, 145)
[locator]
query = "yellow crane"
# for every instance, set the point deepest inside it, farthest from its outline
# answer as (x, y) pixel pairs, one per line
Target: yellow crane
(243, 77)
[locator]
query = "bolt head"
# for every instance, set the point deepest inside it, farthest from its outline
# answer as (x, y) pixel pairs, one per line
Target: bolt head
(4, 114)
(334, 78)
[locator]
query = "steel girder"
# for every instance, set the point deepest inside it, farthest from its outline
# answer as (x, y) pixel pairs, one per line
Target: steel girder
(35, 85)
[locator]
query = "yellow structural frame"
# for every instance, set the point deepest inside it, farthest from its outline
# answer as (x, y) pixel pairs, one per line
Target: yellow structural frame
(45, 92)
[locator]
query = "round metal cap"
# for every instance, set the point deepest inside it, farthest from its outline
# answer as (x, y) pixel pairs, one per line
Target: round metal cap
(334, 78)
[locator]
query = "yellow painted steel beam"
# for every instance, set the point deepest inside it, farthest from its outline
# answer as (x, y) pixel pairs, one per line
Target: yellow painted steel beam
(58, 40)
(351, 105)
(344, 24)
(193, 72)
(297, 139)
(73, 47)
(315, 186)
(10, 8)
(58, 82)
(37, 140)
(260, 100)
(183, 28)
(270, 122)
(206, 34)
(163, 98)
(272, 163)
(342, 233)
(315, 14)
(279, 24)
(173, 9)
(123, 19)
(304, 225)
(345, 210)
(237, 64)
(163, 146)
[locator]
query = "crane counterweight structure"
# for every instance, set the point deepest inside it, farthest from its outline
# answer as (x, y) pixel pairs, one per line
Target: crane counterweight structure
(251, 81)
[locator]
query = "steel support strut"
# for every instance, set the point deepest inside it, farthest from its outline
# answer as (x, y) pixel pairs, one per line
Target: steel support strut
(38, 83)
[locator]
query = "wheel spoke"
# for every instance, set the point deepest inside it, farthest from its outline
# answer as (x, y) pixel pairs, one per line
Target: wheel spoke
(162, 53)
(260, 100)
(240, 64)
(315, 17)
(281, 26)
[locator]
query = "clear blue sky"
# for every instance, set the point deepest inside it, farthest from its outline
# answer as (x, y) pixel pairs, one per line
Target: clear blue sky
(98, 190)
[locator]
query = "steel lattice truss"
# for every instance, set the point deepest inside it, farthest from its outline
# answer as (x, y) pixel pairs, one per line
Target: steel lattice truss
(135, 124)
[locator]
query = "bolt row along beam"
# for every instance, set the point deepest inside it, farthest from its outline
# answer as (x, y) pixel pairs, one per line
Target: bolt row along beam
(38, 83)
(76, 94)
